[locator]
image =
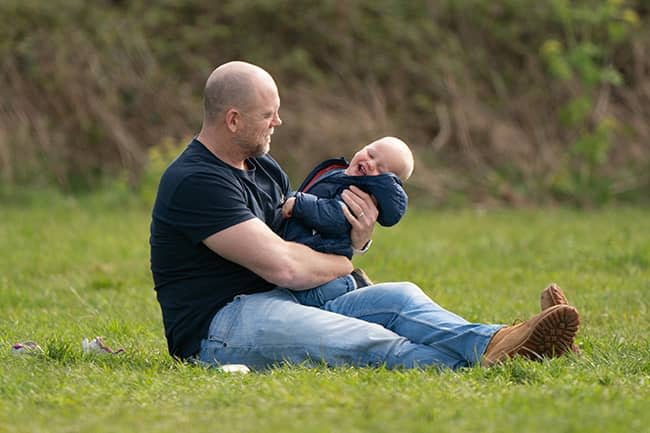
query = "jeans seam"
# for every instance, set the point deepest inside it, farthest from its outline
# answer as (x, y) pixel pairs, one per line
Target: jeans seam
(237, 312)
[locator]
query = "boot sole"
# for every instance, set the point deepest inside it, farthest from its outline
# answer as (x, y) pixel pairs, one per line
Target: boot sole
(553, 335)
(552, 295)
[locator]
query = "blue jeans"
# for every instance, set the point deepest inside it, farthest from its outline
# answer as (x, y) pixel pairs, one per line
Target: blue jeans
(318, 296)
(391, 324)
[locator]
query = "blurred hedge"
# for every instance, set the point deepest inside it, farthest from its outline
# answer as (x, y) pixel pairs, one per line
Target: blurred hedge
(508, 101)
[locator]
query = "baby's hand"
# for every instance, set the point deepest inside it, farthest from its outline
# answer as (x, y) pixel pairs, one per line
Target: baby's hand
(287, 207)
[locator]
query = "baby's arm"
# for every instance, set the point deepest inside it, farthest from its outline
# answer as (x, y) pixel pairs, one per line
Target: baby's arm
(324, 215)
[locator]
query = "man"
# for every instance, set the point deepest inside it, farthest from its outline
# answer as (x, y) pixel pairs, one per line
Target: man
(220, 268)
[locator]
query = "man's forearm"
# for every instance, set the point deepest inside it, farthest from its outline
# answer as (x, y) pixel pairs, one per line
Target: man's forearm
(307, 268)
(253, 245)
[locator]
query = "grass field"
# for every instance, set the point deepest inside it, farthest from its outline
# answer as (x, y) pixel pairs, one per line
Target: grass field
(78, 267)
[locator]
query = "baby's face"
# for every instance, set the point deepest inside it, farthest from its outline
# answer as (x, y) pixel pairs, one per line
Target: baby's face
(376, 158)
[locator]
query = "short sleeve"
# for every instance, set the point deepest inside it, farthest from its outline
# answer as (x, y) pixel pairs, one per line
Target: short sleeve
(206, 203)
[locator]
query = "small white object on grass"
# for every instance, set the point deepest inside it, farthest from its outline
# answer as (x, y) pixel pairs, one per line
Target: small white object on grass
(26, 348)
(235, 368)
(97, 345)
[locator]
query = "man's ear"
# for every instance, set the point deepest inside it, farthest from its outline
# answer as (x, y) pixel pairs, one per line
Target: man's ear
(232, 119)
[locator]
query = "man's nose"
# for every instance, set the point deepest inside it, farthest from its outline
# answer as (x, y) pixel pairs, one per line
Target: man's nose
(276, 120)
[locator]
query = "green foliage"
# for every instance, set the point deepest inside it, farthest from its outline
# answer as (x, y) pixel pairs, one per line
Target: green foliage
(58, 247)
(593, 30)
(159, 157)
(90, 87)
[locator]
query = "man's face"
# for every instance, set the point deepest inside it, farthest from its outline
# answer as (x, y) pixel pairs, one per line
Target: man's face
(258, 123)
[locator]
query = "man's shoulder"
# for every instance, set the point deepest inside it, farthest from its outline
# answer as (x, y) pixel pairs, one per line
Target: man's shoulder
(196, 160)
(189, 175)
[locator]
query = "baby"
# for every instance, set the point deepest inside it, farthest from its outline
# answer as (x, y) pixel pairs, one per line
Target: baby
(314, 215)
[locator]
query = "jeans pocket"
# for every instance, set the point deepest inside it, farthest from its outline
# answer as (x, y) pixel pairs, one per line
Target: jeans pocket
(223, 322)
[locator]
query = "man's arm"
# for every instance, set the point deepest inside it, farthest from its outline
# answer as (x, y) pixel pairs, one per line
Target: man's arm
(255, 246)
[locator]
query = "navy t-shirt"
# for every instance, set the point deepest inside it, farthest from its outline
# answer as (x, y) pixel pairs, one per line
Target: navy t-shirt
(200, 195)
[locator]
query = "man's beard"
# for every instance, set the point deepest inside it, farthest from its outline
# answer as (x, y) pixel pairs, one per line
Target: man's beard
(254, 149)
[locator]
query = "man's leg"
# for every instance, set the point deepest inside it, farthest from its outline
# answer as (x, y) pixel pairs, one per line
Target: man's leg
(264, 329)
(406, 310)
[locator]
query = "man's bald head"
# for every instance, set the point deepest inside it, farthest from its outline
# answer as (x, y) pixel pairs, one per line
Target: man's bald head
(233, 84)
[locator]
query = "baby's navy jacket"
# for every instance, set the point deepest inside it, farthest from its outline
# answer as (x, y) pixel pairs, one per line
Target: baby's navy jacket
(317, 219)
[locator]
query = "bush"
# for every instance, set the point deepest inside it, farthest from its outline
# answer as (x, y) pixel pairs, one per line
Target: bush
(509, 100)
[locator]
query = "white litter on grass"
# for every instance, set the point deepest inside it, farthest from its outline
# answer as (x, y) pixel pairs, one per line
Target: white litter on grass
(26, 348)
(97, 345)
(235, 368)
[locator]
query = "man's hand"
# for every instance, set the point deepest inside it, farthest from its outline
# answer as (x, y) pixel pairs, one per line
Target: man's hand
(287, 207)
(361, 212)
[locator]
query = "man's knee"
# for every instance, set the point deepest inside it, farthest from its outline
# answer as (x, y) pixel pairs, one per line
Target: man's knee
(404, 287)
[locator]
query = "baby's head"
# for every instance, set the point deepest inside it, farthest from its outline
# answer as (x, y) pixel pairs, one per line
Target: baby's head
(387, 154)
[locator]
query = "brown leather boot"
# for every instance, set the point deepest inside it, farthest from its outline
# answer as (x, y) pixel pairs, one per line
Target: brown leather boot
(547, 334)
(553, 295)
(361, 278)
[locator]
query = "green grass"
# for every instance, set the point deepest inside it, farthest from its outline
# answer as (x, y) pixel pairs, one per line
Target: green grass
(78, 267)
